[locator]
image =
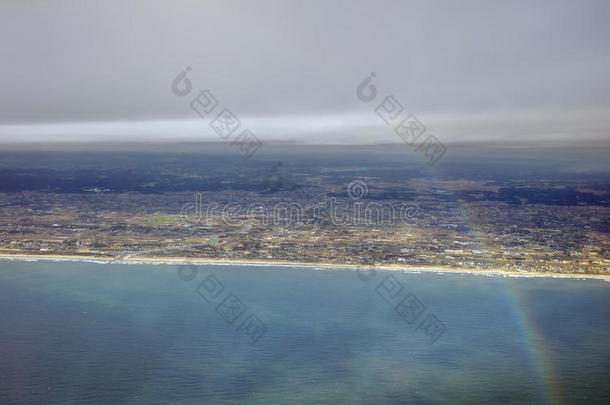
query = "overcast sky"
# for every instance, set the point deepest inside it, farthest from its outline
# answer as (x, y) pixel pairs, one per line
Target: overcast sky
(524, 71)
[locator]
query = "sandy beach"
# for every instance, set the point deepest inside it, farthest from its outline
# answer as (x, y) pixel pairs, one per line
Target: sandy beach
(144, 259)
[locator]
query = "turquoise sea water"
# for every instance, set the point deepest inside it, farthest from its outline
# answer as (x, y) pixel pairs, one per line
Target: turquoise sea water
(145, 334)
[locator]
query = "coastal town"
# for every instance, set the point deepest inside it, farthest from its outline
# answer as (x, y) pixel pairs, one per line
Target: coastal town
(461, 224)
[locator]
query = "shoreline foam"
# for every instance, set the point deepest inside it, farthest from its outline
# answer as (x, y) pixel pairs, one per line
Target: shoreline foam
(156, 260)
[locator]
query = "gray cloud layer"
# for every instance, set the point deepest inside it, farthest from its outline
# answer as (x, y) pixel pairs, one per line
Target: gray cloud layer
(470, 70)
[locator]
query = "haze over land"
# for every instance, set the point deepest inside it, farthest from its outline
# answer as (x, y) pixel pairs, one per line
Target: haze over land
(544, 211)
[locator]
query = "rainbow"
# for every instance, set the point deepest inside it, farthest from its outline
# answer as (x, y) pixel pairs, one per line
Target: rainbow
(532, 338)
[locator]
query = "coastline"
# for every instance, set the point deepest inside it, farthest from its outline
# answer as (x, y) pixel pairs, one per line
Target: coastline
(279, 263)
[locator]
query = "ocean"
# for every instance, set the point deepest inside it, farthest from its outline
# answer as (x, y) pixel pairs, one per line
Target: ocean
(81, 332)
